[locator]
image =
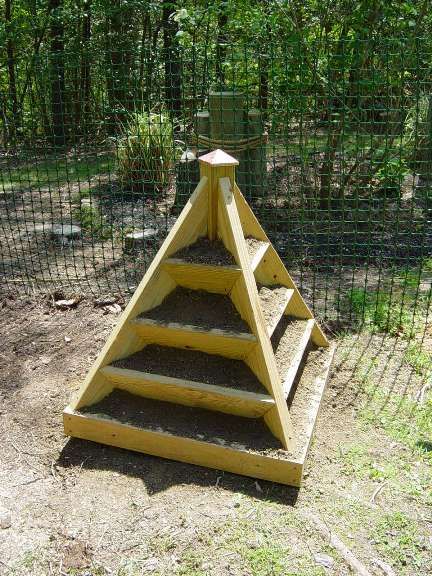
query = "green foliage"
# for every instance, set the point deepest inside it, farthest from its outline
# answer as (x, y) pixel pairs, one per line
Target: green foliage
(390, 177)
(93, 223)
(380, 311)
(145, 152)
(396, 536)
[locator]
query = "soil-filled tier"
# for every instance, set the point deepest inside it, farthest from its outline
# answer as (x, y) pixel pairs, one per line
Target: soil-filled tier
(193, 365)
(204, 251)
(222, 429)
(198, 308)
(286, 340)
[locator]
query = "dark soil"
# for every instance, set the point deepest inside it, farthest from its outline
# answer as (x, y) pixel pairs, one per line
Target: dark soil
(253, 245)
(273, 301)
(285, 341)
(197, 423)
(198, 308)
(225, 429)
(205, 252)
(193, 365)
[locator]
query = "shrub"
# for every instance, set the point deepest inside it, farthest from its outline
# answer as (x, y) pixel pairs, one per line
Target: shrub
(390, 177)
(146, 152)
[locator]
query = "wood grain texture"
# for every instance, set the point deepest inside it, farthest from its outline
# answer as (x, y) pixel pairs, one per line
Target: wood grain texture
(271, 269)
(197, 394)
(187, 450)
(214, 341)
(290, 374)
(217, 279)
(231, 233)
(154, 286)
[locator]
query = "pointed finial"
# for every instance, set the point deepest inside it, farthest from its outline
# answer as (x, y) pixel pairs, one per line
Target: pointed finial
(218, 158)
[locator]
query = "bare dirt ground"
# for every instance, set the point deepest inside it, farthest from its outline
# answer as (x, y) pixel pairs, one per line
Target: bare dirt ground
(77, 508)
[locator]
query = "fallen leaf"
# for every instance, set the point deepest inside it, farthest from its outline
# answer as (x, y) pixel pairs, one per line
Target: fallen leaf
(66, 304)
(323, 560)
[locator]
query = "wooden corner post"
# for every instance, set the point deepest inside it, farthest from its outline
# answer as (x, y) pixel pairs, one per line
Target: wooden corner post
(214, 166)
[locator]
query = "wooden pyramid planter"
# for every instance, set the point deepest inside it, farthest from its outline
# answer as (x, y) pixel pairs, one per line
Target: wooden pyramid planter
(217, 360)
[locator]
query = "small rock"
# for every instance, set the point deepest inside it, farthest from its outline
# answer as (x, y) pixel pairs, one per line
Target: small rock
(137, 240)
(67, 231)
(258, 487)
(112, 308)
(323, 560)
(151, 564)
(67, 339)
(5, 519)
(65, 304)
(105, 301)
(42, 228)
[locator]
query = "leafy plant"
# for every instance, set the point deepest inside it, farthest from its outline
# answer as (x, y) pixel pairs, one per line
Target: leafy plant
(93, 223)
(146, 152)
(390, 177)
(379, 311)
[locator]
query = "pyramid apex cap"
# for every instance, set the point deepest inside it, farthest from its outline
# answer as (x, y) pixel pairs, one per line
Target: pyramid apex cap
(218, 158)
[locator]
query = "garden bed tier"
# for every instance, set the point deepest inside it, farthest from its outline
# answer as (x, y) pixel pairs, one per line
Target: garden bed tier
(194, 366)
(205, 310)
(205, 251)
(197, 436)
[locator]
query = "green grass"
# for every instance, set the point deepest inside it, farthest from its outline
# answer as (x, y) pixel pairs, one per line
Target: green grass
(397, 537)
(54, 171)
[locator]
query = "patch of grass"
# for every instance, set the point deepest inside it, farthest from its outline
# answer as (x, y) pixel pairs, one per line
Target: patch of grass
(54, 171)
(93, 223)
(146, 152)
(401, 418)
(381, 311)
(265, 560)
(190, 565)
(419, 359)
(397, 536)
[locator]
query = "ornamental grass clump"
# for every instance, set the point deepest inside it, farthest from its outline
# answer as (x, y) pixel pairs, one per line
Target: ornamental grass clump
(146, 153)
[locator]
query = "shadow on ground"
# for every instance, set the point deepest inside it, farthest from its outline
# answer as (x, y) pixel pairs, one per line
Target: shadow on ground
(158, 474)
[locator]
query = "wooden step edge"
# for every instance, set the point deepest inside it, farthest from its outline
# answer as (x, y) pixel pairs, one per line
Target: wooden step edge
(189, 450)
(217, 332)
(175, 262)
(189, 393)
(272, 327)
(310, 415)
(259, 255)
(289, 377)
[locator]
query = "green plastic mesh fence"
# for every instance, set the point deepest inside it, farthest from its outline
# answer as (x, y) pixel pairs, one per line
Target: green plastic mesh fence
(102, 127)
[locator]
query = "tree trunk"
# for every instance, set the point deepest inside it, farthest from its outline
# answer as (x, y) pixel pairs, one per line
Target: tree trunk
(10, 50)
(85, 77)
(221, 43)
(173, 85)
(57, 74)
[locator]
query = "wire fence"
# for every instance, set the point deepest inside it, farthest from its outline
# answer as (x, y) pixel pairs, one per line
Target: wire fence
(99, 148)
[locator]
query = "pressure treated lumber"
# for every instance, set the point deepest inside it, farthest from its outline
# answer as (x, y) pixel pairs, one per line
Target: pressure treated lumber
(188, 393)
(173, 356)
(214, 341)
(218, 279)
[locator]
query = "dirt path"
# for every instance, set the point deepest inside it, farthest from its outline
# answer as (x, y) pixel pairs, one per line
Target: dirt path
(78, 508)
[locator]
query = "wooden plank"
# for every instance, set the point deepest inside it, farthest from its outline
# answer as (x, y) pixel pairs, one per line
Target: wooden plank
(290, 374)
(214, 341)
(265, 368)
(187, 450)
(218, 279)
(271, 327)
(214, 165)
(180, 391)
(272, 270)
(155, 284)
(310, 417)
(258, 256)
